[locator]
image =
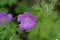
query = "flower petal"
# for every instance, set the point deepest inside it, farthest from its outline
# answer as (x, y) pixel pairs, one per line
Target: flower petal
(20, 18)
(2, 21)
(2, 14)
(9, 17)
(26, 25)
(33, 18)
(27, 14)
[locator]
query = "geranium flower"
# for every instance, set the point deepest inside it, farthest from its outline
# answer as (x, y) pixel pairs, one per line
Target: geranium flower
(5, 15)
(27, 20)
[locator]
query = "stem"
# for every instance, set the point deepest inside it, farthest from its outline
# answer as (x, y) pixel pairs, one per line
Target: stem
(12, 36)
(14, 18)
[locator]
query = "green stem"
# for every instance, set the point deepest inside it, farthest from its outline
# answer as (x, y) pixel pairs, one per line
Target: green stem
(14, 18)
(12, 36)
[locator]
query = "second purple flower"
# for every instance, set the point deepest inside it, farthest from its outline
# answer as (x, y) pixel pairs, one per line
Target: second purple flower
(5, 15)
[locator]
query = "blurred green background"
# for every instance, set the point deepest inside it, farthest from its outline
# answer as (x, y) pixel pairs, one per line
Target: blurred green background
(48, 19)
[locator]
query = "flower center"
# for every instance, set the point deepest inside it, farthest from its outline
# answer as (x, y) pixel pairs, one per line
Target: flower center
(27, 19)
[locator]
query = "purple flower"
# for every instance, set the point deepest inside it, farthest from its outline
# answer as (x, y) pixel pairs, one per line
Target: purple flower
(5, 15)
(27, 20)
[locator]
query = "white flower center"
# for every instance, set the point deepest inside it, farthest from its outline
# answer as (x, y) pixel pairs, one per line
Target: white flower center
(27, 19)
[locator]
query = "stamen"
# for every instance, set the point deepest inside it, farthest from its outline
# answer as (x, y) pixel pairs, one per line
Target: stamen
(27, 19)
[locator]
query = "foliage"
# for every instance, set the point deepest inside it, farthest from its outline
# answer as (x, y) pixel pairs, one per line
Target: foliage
(46, 20)
(47, 25)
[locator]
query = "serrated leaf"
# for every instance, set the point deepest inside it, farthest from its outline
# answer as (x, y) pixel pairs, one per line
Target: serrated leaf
(45, 28)
(53, 15)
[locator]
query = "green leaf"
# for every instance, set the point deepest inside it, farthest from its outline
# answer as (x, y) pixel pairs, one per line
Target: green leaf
(51, 36)
(43, 3)
(4, 9)
(46, 25)
(57, 28)
(53, 2)
(34, 32)
(10, 2)
(3, 2)
(22, 7)
(53, 15)
(14, 37)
